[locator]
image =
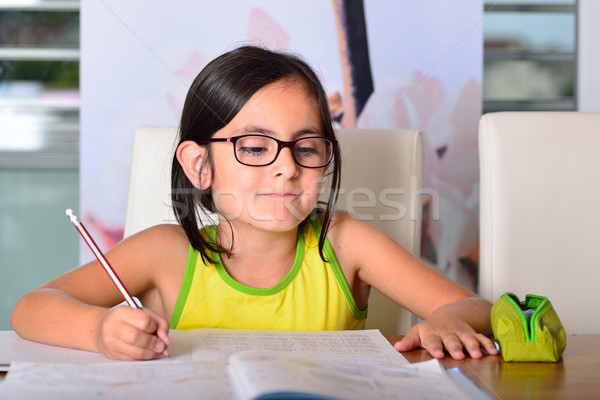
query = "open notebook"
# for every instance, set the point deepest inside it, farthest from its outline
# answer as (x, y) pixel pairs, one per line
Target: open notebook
(254, 375)
(231, 364)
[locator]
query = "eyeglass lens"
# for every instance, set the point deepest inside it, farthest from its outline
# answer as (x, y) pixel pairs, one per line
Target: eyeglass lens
(312, 152)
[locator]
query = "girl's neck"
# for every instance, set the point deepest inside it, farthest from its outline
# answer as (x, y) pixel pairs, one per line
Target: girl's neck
(259, 258)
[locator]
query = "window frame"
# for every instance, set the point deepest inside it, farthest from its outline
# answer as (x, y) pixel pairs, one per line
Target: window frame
(563, 104)
(61, 139)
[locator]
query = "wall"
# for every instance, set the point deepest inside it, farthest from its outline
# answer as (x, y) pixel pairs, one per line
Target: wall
(37, 241)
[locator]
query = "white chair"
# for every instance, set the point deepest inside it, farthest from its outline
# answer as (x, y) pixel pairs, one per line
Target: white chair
(381, 182)
(540, 211)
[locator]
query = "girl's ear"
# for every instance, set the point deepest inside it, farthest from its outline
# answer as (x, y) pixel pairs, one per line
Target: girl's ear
(192, 158)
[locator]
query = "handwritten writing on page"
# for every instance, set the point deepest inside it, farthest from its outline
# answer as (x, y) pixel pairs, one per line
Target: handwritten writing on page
(364, 347)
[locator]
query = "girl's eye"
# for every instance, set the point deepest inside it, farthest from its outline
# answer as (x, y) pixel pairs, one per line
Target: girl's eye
(254, 151)
(307, 151)
(255, 146)
(311, 148)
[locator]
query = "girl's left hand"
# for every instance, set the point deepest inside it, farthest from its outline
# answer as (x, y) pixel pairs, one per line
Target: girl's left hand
(444, 330)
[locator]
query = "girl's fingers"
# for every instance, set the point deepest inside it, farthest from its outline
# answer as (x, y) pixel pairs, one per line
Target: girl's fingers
(153, 334)
(487, 344)
(432, 343)
(421, 336)
(454, 343)
(133, 334)
(131, 352)
(409, 342)
(472, 343)
(454, 346)
(157, 326)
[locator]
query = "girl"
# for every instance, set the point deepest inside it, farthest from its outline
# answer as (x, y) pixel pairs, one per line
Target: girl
(256, 141)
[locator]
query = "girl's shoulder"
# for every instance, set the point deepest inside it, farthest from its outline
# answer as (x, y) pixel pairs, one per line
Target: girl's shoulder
(348, 230)
(157, 249)
(357, 239)
(346, 225)
(168, 232)
(158, 242)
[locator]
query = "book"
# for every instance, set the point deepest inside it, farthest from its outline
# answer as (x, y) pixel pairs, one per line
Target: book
(247, 375)
(260, 375)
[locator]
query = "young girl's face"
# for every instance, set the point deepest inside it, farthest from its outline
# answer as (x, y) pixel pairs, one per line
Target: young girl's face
(275, 197)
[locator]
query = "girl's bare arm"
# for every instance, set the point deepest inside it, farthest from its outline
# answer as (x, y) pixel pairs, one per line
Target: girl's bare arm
(76, 309)
(453, 317)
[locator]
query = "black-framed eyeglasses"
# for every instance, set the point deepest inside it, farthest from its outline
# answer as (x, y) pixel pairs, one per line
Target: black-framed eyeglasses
(261, 150)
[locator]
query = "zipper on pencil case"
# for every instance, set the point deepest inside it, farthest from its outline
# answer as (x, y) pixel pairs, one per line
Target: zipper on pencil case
(542, 305)
(513, 301)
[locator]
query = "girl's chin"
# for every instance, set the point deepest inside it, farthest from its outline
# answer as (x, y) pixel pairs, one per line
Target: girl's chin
(273, 215)
(277, 224)
(271, 222)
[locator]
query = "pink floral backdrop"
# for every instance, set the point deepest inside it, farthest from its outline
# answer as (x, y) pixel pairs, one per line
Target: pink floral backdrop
(384, 64)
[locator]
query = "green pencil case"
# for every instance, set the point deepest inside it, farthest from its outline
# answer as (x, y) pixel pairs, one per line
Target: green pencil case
(528, 330)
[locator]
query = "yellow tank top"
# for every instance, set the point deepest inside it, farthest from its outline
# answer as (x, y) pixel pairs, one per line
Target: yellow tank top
(314, 295)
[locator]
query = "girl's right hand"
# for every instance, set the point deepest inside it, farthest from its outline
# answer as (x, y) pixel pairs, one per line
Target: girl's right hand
(126, 333)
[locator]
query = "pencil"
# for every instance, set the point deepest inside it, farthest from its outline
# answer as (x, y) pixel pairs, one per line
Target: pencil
(104, 262)
(109, 270)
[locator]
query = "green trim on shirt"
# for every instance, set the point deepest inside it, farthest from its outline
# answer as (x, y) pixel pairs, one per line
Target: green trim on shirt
(188, 277)
(278, 287)
(337, 271)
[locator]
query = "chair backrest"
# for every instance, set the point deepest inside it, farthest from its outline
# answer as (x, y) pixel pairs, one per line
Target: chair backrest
(540, 211)
(381, 181)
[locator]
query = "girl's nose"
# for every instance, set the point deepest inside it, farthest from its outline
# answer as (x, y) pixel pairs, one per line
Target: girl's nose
(285, 164)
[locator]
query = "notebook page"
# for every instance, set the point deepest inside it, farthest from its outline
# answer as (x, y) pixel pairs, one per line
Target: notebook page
(123, 380)
(364, 346)
(14, 348)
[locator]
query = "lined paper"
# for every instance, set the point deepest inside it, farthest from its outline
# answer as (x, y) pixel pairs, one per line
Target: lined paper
(364, 346)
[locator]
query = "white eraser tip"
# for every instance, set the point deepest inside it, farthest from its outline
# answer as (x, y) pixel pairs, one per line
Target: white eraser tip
(71, 215)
